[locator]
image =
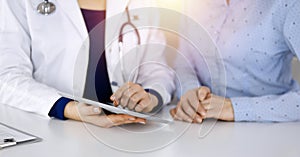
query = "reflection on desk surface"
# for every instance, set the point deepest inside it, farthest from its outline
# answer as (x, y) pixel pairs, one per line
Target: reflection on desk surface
(75, 139)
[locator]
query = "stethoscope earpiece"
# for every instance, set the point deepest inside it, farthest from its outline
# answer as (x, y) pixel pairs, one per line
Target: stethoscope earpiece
(46, 7)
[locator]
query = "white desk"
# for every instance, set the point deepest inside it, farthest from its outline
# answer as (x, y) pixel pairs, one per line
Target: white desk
(74, 139)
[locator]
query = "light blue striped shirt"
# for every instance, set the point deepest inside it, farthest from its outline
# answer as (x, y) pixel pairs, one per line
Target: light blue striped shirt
(257, 40)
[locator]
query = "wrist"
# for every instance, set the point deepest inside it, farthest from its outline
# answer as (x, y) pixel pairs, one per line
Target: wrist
(58, 108)
(71, 111)
(229, 110)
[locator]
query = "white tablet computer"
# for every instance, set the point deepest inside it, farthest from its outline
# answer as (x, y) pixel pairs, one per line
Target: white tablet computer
(117, 110)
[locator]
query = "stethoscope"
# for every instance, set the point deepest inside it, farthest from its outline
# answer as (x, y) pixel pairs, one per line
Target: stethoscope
(121, 43)
(47, 8)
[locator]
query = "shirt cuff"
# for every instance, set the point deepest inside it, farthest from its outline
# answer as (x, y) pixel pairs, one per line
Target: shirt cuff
(58, 109)
(243, 109)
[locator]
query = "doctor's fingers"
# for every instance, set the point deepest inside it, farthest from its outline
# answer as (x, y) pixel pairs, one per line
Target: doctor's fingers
(147, 103)
(125, 119)
(119, 93)
(136, 99)
(113, 120)
(131, 96)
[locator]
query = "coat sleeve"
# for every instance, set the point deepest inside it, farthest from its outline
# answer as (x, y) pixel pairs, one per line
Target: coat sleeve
(155, 73)
(18, 88)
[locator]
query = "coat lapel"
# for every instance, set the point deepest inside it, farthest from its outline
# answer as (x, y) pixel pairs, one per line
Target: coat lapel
(114, 11)
(72, 11)
(116, 6)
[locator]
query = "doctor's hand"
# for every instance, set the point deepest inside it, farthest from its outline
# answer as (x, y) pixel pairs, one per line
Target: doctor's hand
(134, 97)
(189, 108)
(93, 115)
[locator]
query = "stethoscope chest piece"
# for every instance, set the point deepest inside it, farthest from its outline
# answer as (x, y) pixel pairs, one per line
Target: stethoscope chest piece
(46, 8)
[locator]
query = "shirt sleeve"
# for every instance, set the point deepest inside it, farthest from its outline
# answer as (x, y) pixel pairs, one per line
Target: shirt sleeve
(58, 109)
(186, 61)
(275, 108)
(278, 108)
